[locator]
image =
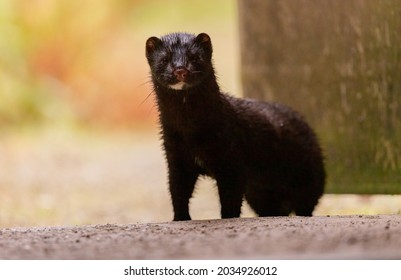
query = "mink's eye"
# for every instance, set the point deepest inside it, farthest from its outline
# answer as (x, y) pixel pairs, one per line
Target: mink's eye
(193, 58)
(165, 58)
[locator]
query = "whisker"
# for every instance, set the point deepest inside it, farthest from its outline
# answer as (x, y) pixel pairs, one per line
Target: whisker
(148, 81)
(151, 109)
(144, 83)
(146, 98)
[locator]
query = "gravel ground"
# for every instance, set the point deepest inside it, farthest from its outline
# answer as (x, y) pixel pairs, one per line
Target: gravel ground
(320, 237)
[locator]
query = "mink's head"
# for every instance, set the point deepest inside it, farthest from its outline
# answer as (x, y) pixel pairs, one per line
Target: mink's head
(179, 61)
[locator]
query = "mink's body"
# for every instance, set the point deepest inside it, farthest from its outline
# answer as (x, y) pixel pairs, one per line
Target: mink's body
(262, 151)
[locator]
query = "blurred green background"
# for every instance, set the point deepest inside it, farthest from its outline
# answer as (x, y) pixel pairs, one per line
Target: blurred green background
(79, 139)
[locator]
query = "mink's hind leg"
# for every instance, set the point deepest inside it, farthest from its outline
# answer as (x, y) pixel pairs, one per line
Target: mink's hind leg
(307, 192)
(304, 206)
(307, 212)
(268, 203)
(231, 193)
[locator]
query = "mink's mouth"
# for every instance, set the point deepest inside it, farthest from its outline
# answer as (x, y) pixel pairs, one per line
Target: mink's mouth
(181, 79)
(181, 76)
(179, 86)
(169, 82)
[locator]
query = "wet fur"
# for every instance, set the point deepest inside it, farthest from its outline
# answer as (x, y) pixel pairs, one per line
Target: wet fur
(263, 152)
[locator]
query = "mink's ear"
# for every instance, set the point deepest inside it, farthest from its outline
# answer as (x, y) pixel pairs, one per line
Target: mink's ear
(151, 44)
(204, 40)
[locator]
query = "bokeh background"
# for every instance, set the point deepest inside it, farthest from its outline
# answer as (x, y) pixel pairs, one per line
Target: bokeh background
(79, 141)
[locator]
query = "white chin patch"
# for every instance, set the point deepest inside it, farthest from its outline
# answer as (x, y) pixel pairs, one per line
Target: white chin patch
(177, 86)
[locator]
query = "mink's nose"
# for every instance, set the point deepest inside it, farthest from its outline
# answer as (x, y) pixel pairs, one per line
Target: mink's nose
(181, 74)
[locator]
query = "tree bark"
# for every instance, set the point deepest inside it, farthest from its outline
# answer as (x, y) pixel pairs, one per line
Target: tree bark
(339, 64)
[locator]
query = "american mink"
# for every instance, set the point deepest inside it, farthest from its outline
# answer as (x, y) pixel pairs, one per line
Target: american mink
(263, 152)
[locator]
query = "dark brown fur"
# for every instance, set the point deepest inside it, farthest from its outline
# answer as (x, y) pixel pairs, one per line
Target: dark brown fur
(262, 151)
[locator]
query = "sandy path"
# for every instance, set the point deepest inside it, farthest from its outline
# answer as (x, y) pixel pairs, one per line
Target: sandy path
(335, 237)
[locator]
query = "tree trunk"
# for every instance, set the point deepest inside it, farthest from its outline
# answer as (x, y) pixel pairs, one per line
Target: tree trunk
(339, 64)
